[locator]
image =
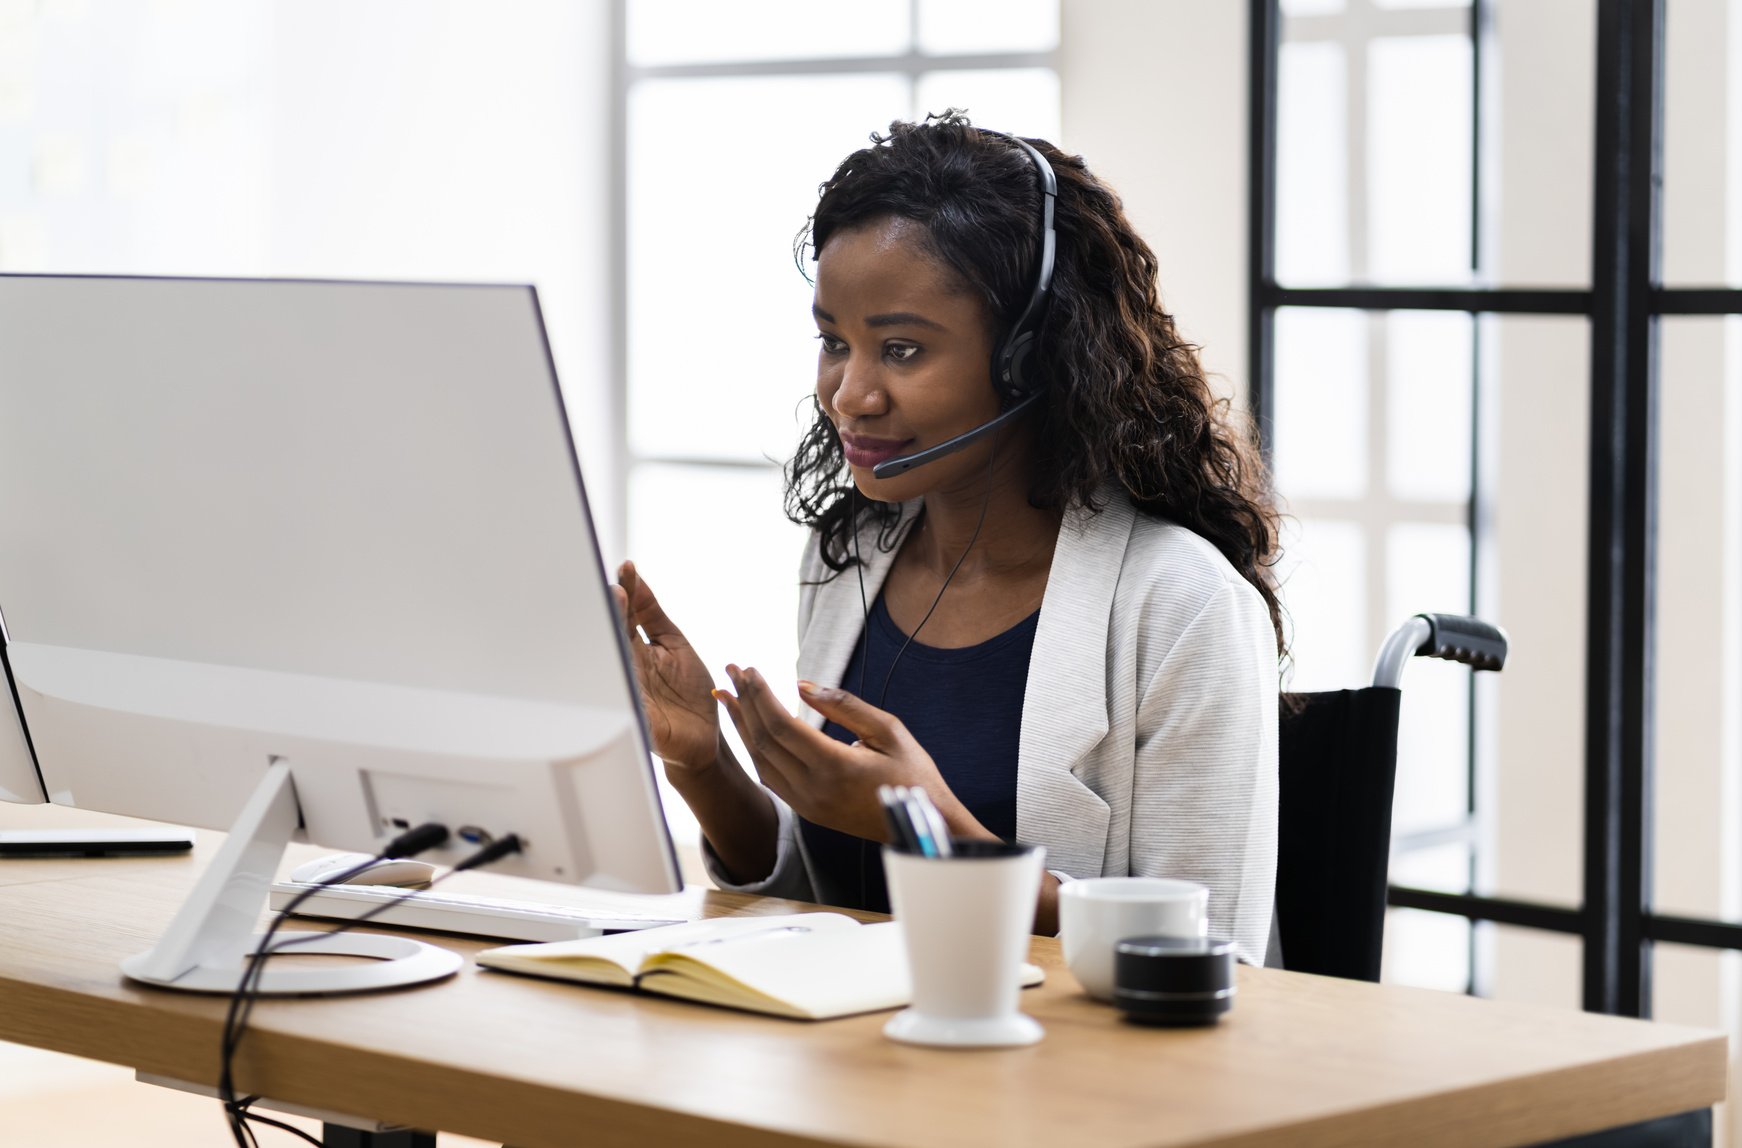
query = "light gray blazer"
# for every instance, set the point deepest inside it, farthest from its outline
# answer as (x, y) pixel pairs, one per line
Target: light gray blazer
(1148, 742)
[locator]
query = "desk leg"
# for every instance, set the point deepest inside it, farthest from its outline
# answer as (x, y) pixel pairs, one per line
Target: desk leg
(338, 1136)
(1688, 1130)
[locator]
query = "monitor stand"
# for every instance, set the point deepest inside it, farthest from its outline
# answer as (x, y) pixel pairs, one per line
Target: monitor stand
(206, 947)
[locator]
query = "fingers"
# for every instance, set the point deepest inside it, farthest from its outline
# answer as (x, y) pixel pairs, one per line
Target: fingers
(876, 728)
(644, 609)
(774, 765)
(809, 745)
(620, 599)
(779, 742)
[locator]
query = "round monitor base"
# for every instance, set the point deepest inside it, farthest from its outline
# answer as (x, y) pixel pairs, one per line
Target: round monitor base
(397, 962)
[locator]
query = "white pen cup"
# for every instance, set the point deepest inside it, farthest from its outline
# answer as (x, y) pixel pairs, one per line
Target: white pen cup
(966, 921)
(1097, 913)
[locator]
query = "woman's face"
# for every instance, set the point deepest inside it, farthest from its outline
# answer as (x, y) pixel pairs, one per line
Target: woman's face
(905, 360)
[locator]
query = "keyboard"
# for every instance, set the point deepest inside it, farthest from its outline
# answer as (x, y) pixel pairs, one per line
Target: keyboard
(470, 915)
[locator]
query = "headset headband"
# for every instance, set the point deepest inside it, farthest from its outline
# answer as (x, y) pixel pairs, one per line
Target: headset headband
(1017, 349)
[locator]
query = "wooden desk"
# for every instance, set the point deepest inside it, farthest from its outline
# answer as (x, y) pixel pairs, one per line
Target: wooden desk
(1301, 1060)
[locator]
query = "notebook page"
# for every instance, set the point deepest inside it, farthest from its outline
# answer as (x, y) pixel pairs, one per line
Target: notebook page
(617, 958)
(833, 972)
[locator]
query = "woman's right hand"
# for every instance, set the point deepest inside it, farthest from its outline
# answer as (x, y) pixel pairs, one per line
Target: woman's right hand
(676, 688)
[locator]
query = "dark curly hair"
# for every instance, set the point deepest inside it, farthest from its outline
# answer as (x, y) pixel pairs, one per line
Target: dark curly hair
(1126, 400)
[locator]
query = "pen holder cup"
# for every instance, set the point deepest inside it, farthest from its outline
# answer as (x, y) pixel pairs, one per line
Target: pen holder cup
(965, 921)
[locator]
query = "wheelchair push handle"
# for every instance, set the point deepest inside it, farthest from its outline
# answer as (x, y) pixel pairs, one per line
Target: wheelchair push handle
(1453, 637)
(1459, 638)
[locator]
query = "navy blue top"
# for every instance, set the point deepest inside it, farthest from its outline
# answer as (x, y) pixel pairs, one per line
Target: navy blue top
(964, 706)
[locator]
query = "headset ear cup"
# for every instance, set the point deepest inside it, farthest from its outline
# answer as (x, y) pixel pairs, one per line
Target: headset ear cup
(1015, 374)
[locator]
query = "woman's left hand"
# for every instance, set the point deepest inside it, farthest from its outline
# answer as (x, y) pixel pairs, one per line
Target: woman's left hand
(825, 781)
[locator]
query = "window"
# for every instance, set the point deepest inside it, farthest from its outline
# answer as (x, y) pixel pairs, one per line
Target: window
(1561, 450)
(1371, 409)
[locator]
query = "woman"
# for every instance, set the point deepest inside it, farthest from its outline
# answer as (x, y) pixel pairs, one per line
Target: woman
(1066, 632)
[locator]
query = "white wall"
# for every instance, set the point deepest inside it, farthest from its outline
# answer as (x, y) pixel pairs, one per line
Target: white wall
(423, 139)
(1154, 98)
(456, 140)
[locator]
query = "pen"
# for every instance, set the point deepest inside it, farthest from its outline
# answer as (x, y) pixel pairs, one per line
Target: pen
(934, 822)
(900, 833)
(915, 814)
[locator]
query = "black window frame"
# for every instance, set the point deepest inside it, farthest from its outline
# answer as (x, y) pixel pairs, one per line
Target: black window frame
(1627, 298)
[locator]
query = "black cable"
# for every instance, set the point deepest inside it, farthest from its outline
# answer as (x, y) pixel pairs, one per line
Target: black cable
(865, 634)
(241, 1108)
(256, 1118)
(494, 851)
(236, 1017)
(991, 460)
(864, 607)
(238, 1110)
(407, 844)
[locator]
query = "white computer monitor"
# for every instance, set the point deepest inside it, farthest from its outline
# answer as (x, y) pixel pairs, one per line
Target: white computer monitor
(313, 559)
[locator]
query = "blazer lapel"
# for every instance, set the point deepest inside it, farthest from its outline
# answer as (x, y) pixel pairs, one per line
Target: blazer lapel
(1064, 708)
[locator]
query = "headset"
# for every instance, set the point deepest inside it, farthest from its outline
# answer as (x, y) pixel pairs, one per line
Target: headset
(1013, 358)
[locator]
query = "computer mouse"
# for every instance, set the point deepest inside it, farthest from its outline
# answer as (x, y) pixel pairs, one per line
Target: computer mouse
(389, 871)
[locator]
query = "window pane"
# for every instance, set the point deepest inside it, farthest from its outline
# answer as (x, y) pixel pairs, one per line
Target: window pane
(1018, 101)
(1697, 806)
(1323, 573)
(1537, 142)
(1535, 564)
(1419, 159)
(1312, 162)
(1444, 868)
(1428, 950)
(1532, 966)
(1321, 403)
(1428, 382)
(721, 343)
(1428, 571)
(708, 31)
(957, 27)
(1702, 123)
(713, 543)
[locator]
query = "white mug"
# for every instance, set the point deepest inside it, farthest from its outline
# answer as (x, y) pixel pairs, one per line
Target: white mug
(1097, 913)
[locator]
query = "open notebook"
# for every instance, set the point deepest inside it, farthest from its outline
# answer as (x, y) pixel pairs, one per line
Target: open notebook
(807, 966)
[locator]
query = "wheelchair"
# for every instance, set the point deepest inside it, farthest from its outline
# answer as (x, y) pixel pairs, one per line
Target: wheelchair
(1337, 770)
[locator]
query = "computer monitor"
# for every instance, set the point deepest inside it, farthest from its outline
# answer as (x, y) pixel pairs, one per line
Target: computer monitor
(312, 560)
(19, 782)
